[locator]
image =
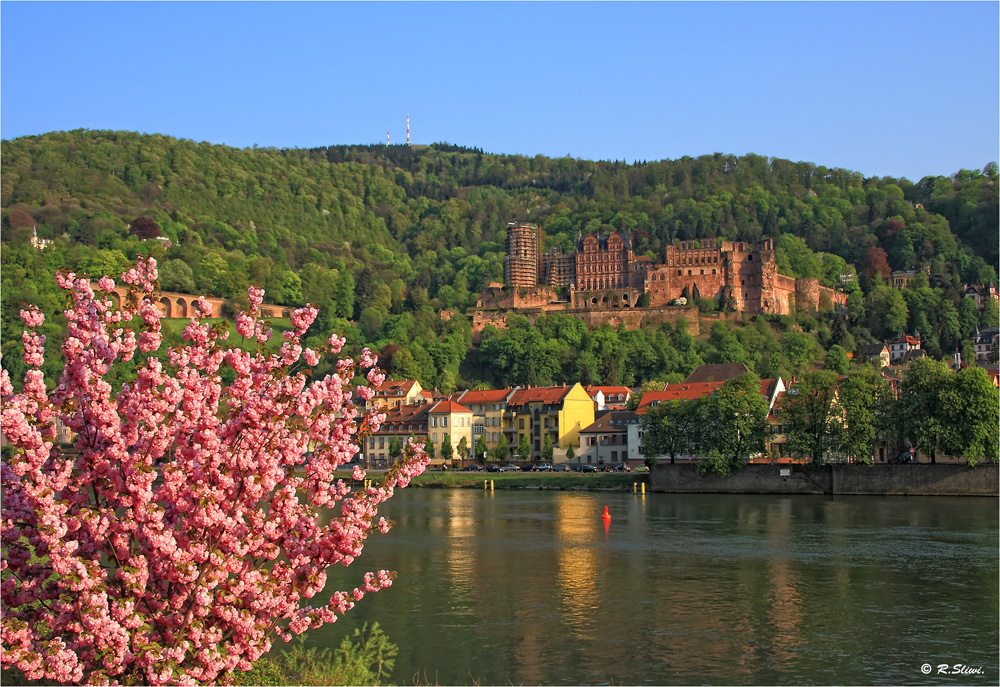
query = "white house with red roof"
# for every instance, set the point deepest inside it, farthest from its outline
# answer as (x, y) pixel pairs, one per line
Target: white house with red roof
(901, 345)
(609, 397)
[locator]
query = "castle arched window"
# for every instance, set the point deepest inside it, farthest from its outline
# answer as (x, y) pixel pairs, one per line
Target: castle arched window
(678, 273)
(703, 271)
(689, 273)
(713, 271)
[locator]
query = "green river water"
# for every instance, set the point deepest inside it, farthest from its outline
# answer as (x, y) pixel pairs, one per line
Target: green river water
(529, 587)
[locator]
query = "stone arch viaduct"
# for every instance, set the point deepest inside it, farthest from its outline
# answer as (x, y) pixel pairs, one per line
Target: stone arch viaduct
(182, 305)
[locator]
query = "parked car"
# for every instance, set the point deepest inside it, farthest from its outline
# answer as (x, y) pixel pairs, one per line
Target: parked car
(619, 467)
(561, 468)
(527, 468)
(471, 468)
(587, 468)
(508, 468)
(493, 468)
(541, 467)
(641, 468)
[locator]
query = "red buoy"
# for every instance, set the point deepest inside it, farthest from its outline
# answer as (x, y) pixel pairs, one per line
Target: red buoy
(607, 515)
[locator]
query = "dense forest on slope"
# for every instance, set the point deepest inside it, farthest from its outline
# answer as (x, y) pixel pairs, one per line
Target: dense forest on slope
(384, 237)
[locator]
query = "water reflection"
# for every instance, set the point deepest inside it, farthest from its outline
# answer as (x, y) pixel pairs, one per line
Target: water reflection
(529, 588)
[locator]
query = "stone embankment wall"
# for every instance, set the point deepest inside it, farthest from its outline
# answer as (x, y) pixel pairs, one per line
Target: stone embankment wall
(920, 479)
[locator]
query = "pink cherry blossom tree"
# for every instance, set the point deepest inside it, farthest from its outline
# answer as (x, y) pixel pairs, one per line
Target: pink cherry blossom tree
(185, 531)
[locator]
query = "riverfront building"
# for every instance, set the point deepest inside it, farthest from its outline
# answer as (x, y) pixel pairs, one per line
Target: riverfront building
(558, 412)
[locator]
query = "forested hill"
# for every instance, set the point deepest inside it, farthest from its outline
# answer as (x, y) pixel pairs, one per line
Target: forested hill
(371, 232)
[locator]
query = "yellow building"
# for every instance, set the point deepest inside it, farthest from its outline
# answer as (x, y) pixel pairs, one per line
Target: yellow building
(447, 418)
(395, 395)
(559, 412)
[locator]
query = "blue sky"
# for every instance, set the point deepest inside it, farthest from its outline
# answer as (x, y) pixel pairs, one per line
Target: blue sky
(898, 88)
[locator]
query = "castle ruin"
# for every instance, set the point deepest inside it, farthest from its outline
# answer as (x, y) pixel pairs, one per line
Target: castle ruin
(605, 274)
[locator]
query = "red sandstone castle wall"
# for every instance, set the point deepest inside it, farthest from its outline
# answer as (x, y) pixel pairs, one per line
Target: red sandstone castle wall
(606, 300)
(807, 294)
(784, 294)
(632, 318)
(523, 297)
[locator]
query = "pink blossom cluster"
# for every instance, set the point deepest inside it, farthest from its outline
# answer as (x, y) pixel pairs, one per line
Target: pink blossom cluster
(185, 530)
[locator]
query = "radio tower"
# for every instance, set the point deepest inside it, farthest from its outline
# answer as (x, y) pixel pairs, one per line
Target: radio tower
(387, 138)
(407, 128)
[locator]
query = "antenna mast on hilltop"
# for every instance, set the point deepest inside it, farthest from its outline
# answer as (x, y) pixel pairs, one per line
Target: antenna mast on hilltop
(407, 128)
(387, 138)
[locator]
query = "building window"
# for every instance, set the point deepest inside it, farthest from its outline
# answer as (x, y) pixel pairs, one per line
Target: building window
(521, 424)
(434, 422)
(444, 422)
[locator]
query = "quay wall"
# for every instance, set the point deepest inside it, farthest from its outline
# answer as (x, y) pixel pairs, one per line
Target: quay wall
(919, 479)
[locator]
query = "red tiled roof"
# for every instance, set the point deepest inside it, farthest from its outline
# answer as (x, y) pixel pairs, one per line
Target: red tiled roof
(612, 422)
(448, 406)
(397, 388)
(717, 372)
(541, 394)
(608, 390)
(688, 391)
(409, 414)
(678, 392)
(485, 396)
(426, 394)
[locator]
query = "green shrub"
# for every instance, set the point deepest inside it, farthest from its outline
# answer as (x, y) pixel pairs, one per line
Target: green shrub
(365, 658)
(707, 305)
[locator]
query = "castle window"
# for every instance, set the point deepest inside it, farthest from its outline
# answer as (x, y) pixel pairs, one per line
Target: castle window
(713, 271)
(678, 273)
(689, 273)
(750, 258)
(703, 271)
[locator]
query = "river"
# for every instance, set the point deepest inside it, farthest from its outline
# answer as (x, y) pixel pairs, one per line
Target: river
(528, 587)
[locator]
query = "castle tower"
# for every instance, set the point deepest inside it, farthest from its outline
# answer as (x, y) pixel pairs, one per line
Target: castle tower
(520, 265)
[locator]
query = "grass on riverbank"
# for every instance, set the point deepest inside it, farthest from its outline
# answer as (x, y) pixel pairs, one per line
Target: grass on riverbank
(532, 480)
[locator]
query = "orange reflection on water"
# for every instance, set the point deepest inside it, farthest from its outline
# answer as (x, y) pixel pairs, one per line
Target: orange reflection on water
(578, 564)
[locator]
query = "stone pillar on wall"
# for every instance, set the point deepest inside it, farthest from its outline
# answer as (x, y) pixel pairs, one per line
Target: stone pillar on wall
(807, 294)
(768, 270)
